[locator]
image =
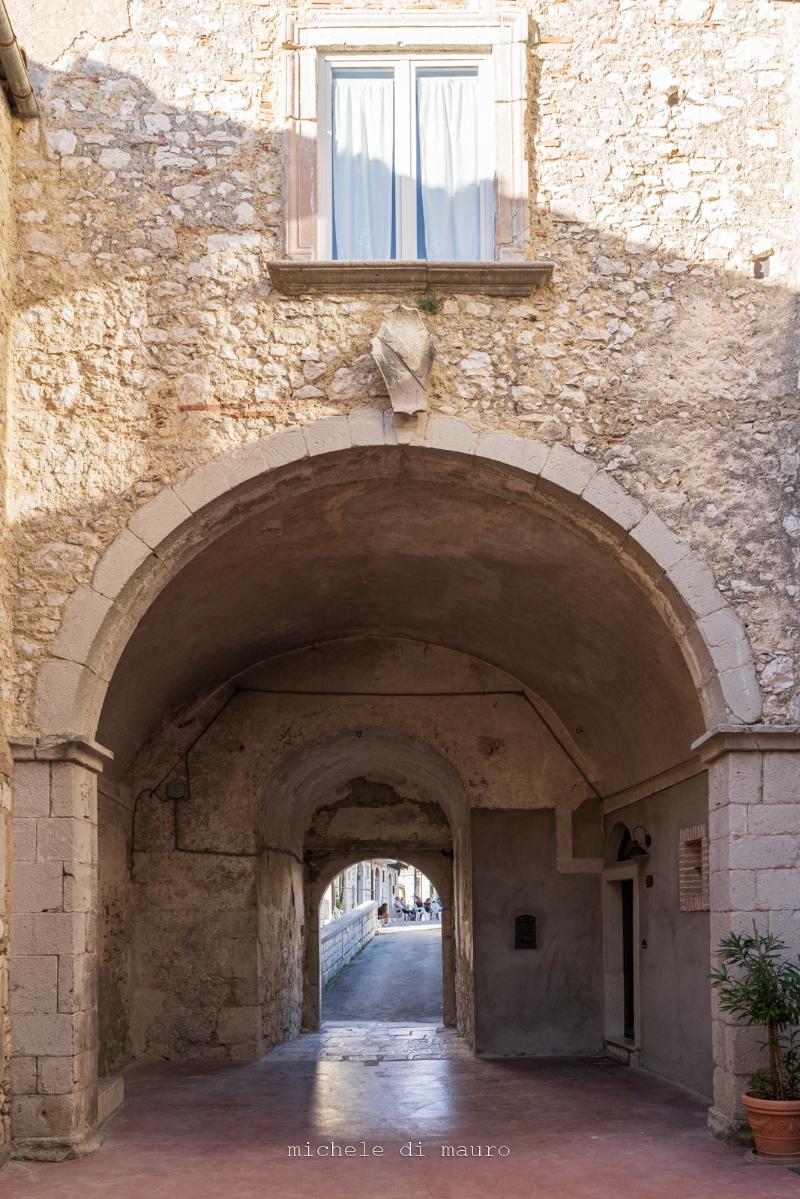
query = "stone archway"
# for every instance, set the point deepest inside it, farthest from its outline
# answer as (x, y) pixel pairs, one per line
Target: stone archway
(363, 794)
(168, 530)
(321, 868)
(694, 637)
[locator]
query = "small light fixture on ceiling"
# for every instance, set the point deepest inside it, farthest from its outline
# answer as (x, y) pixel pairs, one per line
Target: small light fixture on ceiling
(640, 845)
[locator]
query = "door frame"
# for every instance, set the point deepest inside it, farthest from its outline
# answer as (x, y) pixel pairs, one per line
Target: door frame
(614, 1040)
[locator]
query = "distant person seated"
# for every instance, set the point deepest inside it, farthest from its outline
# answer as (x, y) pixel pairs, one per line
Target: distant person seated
(383, 913)
(427, 907)
(420, 911)
(436, 908)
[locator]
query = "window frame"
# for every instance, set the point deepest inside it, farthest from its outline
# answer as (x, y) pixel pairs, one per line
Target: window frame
(502, 37)
(404, 67)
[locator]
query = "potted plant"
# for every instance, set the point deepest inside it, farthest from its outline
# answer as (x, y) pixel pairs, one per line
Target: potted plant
(759, 986)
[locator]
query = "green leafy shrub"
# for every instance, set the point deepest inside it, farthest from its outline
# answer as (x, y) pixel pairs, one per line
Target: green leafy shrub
(759, 986)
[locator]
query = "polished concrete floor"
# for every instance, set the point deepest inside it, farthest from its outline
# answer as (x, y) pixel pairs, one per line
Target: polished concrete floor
(558, 1128)
(398, 976)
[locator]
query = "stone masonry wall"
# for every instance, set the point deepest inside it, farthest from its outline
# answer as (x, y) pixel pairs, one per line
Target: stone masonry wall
(147, 338)
(341, 940)
(6, 251)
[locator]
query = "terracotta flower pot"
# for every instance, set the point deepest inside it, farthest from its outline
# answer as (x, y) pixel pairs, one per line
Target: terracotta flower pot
(775, 1124)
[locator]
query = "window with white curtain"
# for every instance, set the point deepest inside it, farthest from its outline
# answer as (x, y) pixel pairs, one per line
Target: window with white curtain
(406, 157)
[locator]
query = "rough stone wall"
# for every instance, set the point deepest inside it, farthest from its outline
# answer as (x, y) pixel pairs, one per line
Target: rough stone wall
(195, 969)
(147, 338)
(6, 649)
(278, 969)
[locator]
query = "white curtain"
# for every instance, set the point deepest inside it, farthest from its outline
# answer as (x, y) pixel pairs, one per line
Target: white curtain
(363, 165)
(449, 168)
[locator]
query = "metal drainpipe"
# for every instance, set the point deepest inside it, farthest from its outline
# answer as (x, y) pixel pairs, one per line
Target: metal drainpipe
(15, 70)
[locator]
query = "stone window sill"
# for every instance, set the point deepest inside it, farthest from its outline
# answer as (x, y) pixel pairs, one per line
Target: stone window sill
(297, 278)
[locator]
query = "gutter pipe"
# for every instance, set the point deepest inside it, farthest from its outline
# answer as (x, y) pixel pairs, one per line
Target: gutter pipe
(14, 70)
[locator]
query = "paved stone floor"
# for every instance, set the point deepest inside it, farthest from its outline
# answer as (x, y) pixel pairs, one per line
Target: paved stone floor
(575, 1129)
(398, 976)
(372, 1042)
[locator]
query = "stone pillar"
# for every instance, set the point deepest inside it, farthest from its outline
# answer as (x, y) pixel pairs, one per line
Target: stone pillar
(53, 963)
(5, 875)
(449, 1014)
(754, 824)
(312, 981)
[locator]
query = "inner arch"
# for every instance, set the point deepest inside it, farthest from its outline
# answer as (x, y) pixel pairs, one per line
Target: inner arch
(391, 547)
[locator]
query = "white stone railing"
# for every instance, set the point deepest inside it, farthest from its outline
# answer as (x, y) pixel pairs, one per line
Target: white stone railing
(340, 941)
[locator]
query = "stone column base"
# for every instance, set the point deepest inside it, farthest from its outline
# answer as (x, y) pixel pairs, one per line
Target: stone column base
(55, 1149)
(728, 1129)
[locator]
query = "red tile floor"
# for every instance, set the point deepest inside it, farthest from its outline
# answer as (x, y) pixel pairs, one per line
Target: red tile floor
(576, 1129)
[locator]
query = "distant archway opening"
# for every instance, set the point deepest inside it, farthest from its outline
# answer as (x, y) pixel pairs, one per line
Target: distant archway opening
(382, 961)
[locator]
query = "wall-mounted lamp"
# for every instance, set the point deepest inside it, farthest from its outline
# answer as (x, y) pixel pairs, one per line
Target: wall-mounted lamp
(640, 845)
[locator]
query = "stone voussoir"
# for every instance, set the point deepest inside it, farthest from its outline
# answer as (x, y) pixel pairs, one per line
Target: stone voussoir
(367, 427)
(694, 586)
(124, 558)
(450, 435)
(327, 436)
(84, 615)
(655, 544)
(203, 486)
(161, 516)
(507, 449)
(566, 474)
(610, 505)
